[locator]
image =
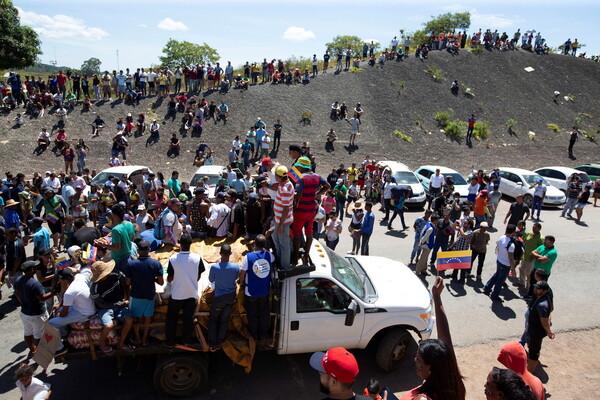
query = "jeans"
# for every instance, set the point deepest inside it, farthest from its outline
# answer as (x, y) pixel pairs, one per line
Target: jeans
(339, 205)
(480, 260)
(497, 280)
(387, 205)
(276, 140)
(416, 248)
(364, 247)
(569, 206)
(220, 310)
(189, 307)
(283, 246)
(80, 164)
(97, 92)
(61, 323)
(536, 205)
(332, 243)
(479, 219)
(257, 311)
(177, 85)
(397, 212)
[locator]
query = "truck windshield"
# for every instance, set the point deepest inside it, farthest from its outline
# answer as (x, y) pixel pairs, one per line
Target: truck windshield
(351, 274)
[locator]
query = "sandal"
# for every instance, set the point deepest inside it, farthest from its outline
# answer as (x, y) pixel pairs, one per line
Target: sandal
(108, 351)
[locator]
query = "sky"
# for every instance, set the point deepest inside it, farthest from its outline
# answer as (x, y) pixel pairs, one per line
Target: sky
(74, 31)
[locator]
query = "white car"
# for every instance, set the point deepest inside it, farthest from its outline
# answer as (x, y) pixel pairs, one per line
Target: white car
(213, 172)
(134, 173)
(517, 181)
(404, 176)
(557, 176)
(460, 183)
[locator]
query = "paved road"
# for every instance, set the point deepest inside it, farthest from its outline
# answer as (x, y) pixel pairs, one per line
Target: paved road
(473, 318)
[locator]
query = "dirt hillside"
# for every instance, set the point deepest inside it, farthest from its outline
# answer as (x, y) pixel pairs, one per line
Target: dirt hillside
(394, 97)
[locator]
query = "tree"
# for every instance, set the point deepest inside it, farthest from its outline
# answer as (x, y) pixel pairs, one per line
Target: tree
(184, 53)
(19, 45)
(91, 66)
(447, 23)
(346, 42)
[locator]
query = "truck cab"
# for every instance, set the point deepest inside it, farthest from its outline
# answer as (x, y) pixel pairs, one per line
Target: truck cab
(350, 302)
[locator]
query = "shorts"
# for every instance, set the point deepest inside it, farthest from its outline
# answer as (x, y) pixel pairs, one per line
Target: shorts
(33, 325)
(121, 89)
(471, 197)
(580, 205)
(116, 153)
(354, 131)
(107, 315)
(303, 220)
(162, 87)
(151, 85)
(55, 227)
(141, 307)
(351, 199)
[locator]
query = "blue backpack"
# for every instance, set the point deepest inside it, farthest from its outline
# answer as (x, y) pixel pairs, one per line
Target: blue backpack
(159, 225)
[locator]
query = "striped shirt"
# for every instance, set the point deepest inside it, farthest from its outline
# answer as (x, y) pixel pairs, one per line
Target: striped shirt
(285, 197)
(307, 187)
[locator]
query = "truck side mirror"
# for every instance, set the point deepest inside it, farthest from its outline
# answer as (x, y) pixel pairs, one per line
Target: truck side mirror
(351, 313)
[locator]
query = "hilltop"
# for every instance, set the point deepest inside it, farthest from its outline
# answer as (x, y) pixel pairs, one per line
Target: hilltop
(402, 96)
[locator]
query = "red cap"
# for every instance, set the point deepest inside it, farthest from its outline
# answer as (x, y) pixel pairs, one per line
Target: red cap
(266, 161)
(338, 363)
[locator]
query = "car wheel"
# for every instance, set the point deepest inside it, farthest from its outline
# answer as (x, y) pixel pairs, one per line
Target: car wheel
(528, 199)
(392, 349)
(181, 376)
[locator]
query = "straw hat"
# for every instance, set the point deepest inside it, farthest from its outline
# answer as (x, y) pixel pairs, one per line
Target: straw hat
(101, 270)
(11, 203)
(358, 205)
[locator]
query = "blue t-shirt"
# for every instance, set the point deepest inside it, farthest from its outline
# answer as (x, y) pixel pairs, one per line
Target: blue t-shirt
(41, 238)
(260, 133)
(148, 235)
(12, 219)
(142, 273)
(30, 290)
(224, 275)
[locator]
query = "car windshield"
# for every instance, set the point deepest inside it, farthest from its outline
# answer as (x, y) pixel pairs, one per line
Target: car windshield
(352, 275)
(102, 177)
(212, 180)
(457, 178)
(406, 177)
(531, 179)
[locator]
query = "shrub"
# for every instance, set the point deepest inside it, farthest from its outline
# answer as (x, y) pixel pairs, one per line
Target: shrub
(435, 72)
(455, 129)
(401, 86)
(591, 136)
(586, 115)
(577, 122)
(570, 97)
(481, 130)
(510, 124)
(468, 92)
(403, 136)
(355, 69)
(419, 122)
(306, 115)
(554, 127)
(477, 49)
(443, 117)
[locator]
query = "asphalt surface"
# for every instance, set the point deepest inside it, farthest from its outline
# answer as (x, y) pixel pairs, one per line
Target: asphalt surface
(473, 317)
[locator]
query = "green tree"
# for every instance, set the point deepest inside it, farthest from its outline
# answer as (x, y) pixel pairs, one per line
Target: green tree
(19, 45)
(184, 53)
(447, 22)
(91, 66)
(346, 42)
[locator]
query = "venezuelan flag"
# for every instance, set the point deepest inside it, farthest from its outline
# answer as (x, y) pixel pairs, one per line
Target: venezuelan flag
(295, 175)
(62, 263)
(453, 260)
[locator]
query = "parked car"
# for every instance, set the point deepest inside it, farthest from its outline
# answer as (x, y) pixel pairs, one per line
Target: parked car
(213, 172)
(557, 176)
(460, 183)
(593, 170)
(135, 174)
(517, 181)
(404, 176)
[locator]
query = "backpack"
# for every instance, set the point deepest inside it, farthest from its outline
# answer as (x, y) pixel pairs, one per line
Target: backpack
(519, 247)
(159, 226)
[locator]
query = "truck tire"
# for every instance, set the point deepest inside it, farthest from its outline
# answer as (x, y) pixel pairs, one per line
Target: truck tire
(392, 349)
(181, 375)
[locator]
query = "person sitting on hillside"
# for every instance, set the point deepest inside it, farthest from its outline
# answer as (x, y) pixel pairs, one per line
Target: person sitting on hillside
(305, 77)
(174, 146)
(181, 101)
(225, 86)
(454, 87)
(43, 140)
(60, 140)
(141, 124)
(335, 111)
(97, 126)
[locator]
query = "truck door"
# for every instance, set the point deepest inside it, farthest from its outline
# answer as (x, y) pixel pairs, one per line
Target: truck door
(316, 314)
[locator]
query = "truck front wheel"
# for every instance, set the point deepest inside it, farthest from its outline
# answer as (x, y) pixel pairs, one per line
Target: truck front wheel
(181, 376)
(392, 349)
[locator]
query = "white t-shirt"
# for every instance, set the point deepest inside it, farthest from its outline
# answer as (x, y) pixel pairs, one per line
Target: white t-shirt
(353, 191)
(35, 387)
(143, 76)
(141, 222)
(265, 142)
(78, 297)
(539, 190)
(170, 219)
(151, 76)
(185, 278)
(504, 249)
(436, 181)
(473, 189)
(44, 135)
(330, 234)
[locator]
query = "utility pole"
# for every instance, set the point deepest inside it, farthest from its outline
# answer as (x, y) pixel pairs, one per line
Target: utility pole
(118, 68)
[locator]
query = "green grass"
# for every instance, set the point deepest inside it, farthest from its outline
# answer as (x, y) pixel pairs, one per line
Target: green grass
(443, 117)
(403, 136)
(481, 130)
(586, 115)
(468, 92)
(554, 127)
(401, 86)
(511, 124)
(591, 136)
(436, 72)
(570, 97)
(477, 49)
(355, 69)
(455, 129)
(577, 122)
(306, 115)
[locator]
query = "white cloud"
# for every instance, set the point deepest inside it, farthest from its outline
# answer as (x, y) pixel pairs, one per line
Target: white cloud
(60, 26)
(491, 21)
(169, 24)
(297, 34)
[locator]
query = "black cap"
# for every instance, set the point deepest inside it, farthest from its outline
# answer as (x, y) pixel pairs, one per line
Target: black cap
(37, 220)
(221, 195)
(232, 193)
(143, 245)
(65, 273)
(199, 190)
(542, 285)
(45, 251)
(29, 265)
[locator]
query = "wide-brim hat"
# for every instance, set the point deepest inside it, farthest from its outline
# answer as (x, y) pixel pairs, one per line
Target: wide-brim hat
(101, 270)
(358, 205)
(304, 162)
(11, 203)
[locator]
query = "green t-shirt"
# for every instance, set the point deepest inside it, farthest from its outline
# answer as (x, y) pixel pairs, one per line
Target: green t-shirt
(532, 242)
(122, 233)
(175, 187)
(550, 253)
(343, 189)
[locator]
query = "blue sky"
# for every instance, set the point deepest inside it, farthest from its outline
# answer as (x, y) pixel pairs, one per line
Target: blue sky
(73, 31)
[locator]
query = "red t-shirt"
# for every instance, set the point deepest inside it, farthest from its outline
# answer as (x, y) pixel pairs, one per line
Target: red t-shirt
(62, 79)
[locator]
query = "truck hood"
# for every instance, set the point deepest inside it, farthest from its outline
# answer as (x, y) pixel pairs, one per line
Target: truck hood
(397, 287)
